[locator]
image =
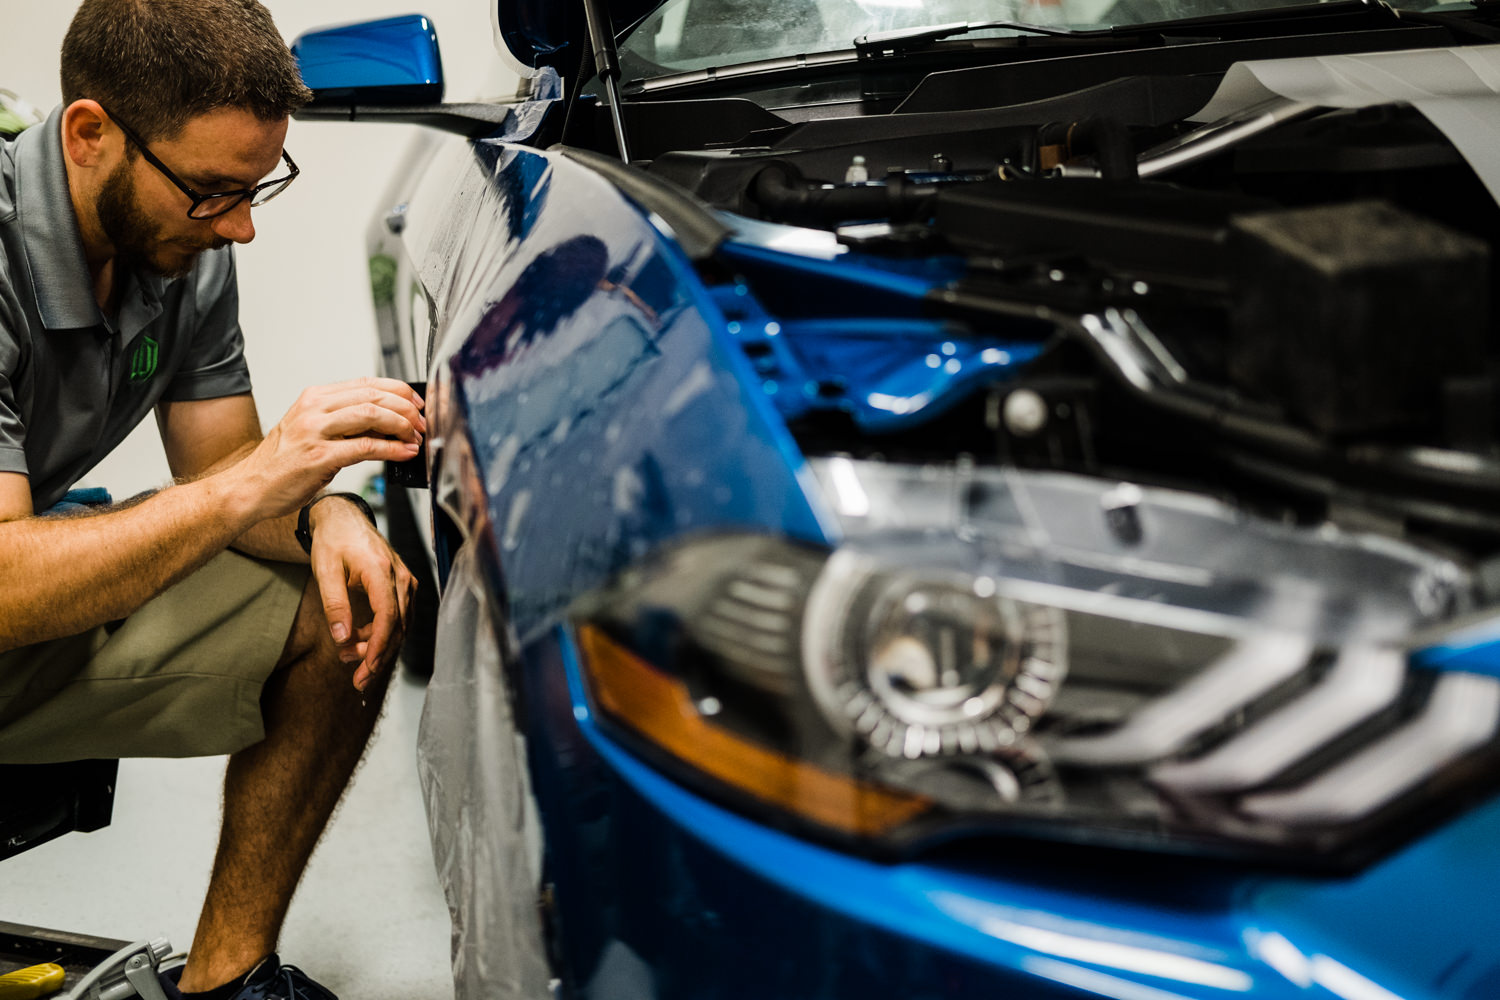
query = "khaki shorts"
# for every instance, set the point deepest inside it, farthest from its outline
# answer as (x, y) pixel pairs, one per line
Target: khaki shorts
(181, 677)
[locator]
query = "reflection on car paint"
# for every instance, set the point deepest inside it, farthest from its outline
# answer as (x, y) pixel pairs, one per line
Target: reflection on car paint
(576, 432)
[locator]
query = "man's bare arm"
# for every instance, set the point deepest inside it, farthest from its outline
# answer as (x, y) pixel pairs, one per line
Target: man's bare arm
(64, 575)
(67, 574)
(202, 437)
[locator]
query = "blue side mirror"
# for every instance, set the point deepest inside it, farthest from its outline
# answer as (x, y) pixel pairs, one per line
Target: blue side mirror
(393, 61)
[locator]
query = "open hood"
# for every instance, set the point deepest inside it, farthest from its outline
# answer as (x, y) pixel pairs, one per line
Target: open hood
(549, 32)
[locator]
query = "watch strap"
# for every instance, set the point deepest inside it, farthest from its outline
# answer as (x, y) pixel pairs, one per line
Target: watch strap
(304, 516)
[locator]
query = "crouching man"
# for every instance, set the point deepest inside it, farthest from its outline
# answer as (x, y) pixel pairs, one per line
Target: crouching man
(202, 619)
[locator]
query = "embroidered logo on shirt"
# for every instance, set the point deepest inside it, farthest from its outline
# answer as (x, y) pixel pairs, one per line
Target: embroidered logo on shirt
(143, 360)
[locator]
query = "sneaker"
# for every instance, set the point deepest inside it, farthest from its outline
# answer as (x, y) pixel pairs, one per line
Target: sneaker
(270, 980)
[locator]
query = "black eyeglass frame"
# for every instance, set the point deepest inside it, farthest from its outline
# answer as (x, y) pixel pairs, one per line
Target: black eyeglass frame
(227, 199)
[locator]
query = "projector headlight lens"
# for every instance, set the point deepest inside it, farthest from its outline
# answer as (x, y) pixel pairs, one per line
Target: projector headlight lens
(926, 664)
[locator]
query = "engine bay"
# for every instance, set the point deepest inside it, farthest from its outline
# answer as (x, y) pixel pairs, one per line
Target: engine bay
(1297, 314)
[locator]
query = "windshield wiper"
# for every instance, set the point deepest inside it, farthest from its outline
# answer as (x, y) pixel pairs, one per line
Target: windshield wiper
(889, 43)
(883, 43)
(1456, 24)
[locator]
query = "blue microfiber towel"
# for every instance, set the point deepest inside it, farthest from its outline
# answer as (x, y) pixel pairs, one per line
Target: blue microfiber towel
(93, 496)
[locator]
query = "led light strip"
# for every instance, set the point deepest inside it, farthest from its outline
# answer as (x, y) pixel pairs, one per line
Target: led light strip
(1460, 716)
(1250, 669)
(1361, 683)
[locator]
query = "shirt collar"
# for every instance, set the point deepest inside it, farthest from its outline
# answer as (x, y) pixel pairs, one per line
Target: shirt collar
(49, 229)
(60, 277)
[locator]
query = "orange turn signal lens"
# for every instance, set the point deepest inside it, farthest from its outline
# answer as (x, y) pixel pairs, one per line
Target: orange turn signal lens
(658, 708)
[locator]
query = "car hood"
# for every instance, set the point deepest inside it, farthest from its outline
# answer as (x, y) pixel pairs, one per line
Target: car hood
(549, 32)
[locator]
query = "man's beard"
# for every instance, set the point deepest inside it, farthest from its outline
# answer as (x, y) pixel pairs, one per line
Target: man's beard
(136, 239)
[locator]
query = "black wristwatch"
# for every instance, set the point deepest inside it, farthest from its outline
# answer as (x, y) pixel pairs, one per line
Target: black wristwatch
(304, 525)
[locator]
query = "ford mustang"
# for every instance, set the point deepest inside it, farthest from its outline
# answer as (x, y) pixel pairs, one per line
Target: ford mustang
(954, 497)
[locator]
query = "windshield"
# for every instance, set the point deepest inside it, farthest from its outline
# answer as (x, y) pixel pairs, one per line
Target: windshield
(685, 35)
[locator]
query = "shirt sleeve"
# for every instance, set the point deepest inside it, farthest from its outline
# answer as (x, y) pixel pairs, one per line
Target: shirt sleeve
(12, 359)
(215, 362)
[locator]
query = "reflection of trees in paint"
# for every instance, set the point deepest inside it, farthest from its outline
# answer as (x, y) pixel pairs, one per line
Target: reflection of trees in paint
(550, 289)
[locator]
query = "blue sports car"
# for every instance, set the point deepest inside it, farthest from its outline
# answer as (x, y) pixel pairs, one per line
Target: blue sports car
(954, 498)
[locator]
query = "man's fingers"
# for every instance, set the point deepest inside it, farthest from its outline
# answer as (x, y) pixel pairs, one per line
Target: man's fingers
(364, 674)
(317, 395)
(376, 589)
(403, 584)
(390, 385)
(335, 596)
(366, 418)
(386, 626)
(406, 588)
(407, 405)
(349, 451)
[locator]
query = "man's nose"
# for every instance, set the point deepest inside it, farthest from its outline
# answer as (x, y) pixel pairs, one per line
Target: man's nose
(235, 224)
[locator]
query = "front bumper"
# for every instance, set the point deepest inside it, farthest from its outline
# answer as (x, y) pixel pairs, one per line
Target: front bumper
(659, 893)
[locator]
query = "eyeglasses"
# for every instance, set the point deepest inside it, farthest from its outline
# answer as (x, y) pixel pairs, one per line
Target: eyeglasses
(208, 206)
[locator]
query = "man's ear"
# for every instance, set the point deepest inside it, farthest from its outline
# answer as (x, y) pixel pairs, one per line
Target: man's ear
(89, 138)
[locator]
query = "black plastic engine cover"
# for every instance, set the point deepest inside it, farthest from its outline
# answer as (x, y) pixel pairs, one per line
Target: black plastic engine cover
(1350, 317)
(1353, 316)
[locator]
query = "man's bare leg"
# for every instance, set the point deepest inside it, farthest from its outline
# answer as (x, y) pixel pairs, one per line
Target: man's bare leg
(278, 796)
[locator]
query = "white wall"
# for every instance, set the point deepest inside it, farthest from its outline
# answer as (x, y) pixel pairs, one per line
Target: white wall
(304, 292)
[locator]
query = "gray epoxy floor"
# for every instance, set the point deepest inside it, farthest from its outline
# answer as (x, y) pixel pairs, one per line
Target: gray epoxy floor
(369, 920)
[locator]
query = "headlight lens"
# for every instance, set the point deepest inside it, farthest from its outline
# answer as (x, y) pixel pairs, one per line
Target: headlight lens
(927, 663)
(1052, 655)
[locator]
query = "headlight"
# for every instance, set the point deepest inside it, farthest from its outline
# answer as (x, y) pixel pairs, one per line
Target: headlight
(923, 662)
(1053, 655)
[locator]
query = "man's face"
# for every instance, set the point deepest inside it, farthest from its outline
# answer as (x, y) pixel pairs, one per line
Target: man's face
(138, 239)
(144, 215)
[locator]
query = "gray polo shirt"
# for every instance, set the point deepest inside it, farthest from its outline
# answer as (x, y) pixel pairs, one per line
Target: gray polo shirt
(74, 382)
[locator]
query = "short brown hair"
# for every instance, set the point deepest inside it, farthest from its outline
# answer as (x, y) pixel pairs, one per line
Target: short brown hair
(160, 63)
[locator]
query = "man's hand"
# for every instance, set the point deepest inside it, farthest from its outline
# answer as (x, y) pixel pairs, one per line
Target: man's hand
(365, 587)
(328, 428)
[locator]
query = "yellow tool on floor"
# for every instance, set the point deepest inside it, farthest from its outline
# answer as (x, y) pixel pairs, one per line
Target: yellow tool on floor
(33, 982)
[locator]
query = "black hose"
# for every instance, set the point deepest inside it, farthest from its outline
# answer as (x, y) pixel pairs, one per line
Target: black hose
(783, 195)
